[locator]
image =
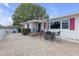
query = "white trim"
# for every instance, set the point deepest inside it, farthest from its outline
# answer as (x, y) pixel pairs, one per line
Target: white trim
(65, 16)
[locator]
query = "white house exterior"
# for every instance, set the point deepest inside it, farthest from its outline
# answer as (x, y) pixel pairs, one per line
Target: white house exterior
(34, 25)
(69, 26)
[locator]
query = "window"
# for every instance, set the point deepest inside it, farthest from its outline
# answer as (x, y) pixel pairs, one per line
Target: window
(65, 24)
(55, 25)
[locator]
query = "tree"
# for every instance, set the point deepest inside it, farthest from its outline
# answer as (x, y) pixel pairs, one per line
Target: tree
(28, 11)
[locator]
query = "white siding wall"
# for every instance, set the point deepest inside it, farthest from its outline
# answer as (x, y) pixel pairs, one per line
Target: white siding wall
(71, 34)
(33, 27)
(67, 33)
(25, 25)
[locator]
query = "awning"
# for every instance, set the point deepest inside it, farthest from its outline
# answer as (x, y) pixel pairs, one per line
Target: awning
(35, 21)
(38, 21)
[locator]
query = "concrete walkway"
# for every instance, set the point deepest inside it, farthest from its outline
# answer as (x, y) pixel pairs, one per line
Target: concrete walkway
(20, 45)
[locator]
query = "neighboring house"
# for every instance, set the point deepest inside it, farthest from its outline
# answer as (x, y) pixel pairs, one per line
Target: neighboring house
(68, 25)
(34, 25)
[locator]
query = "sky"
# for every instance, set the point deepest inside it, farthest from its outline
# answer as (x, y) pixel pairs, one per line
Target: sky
(52, 9)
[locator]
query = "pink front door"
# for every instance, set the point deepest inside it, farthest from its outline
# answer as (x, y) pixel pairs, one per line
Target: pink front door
(72, 23)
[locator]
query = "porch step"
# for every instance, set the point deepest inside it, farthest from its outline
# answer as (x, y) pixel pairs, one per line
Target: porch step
(34, 34)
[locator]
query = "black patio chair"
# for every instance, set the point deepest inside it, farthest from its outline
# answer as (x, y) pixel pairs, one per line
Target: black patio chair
(52, 35)
(46, 35)
(49, 35)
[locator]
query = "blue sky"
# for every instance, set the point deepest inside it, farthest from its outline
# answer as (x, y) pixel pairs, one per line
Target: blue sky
(52, 9)
(6, 11)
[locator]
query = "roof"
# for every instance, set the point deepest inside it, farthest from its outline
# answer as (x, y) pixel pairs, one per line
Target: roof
(67, 16)
(37, 21)
(72, 15)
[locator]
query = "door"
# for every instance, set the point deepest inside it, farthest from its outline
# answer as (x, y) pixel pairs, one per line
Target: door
(39, 27)
(72, 23)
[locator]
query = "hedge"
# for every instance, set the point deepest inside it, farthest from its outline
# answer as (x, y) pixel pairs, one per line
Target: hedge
(25, 31)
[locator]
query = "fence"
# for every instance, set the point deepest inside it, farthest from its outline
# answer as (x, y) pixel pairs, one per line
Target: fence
(2, 33)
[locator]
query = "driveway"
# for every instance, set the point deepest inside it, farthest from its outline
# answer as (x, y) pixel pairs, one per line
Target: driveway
(16, 44)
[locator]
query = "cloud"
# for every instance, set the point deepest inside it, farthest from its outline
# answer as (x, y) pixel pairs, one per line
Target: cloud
(6, 4)
(5, 18)
(2, 21)
(6, 21)
(10, 21)
(1, 11)
(9, 6)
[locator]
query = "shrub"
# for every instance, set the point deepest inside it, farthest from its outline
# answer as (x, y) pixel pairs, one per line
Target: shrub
(19, 30)
(25, 31)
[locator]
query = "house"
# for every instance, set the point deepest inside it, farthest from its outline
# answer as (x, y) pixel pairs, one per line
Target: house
(68, 25)
(34, 25)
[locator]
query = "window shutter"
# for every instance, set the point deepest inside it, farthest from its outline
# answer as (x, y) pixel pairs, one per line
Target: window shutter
(72, 23)
(46, 25)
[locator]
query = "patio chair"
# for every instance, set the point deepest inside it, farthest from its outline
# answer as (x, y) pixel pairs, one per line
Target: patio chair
(45, 35)
(49, 35)
(57, 36)
(52, 35)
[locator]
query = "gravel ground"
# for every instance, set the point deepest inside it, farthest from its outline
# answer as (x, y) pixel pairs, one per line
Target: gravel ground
(19, 45)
